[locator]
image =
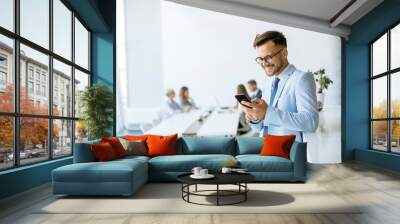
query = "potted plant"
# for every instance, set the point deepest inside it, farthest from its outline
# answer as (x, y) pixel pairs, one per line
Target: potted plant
(323, 82)
(97, 106)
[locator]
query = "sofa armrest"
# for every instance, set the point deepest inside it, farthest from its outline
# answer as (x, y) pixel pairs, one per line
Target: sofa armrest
(298, 155)
(83, 152)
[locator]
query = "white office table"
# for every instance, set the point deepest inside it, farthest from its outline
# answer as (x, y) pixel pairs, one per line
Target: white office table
(177, 124)
(220, 123)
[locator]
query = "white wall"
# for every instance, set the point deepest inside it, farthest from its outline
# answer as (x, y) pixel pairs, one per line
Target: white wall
(144, 47)
(211, 52)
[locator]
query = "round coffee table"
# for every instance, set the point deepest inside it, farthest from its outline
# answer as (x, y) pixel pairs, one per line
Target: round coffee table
(238, 179)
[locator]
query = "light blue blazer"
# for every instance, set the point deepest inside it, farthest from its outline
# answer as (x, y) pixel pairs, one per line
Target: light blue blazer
(294, 109)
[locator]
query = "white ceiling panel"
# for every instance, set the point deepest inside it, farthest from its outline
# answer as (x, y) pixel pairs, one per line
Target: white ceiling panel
(326, 16)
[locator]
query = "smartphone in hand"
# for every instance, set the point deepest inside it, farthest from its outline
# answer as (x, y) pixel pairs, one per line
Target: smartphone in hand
(242, 97)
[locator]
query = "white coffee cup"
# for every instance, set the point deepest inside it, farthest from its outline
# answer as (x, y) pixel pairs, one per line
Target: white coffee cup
(196, 171)
(203, 172)
(226, 170)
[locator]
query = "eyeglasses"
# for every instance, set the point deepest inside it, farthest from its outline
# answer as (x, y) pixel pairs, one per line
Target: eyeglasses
(267, 58)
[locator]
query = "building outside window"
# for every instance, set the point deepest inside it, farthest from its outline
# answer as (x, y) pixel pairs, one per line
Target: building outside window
(30, 87)
(385, 95)
(3, 78)
(58, 133)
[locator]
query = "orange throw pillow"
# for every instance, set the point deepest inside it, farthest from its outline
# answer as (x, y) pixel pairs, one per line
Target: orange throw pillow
(277, 145)
(161, 145)
(103, 152)
(116, 145)
(136, 137)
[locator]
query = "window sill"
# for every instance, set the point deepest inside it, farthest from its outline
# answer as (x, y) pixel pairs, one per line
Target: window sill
(30, 166)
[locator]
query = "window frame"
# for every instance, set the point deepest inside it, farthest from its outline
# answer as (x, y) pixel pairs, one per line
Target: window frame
(388, 74)
(16, 114)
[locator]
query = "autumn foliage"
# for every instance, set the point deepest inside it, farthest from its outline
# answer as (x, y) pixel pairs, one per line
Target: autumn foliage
(380, 127)
(33, 131)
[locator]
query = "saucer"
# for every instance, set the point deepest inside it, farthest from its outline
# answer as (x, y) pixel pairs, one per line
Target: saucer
(208, 176)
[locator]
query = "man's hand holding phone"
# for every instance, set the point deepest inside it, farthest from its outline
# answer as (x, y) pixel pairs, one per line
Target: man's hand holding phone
(255, 110)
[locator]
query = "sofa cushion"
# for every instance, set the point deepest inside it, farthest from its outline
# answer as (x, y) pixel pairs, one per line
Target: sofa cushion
(249, 145)
(185, 163)
(116, 145)
(103, 152)
(161, 145)
(112, 171)
(136, 147)
(277, 145)
(136, 137)
(131, 158)
(206, 145)
(257, 163)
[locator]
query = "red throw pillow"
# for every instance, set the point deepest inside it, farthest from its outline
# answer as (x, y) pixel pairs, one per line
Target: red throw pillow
(116, 145)
(277, 145)
(103, 152)
(161, 145)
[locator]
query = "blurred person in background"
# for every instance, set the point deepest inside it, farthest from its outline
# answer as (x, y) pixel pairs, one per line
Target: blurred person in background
(185, 101)
(255, 92)
(170, 106)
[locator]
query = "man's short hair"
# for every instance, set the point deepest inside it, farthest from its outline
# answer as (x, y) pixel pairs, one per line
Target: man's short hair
(252, 82)
(275, 36)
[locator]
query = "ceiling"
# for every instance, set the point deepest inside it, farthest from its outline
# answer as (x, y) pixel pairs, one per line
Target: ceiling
(325, 16)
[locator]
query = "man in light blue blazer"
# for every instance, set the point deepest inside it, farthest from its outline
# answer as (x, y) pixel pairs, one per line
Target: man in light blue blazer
(289, 102)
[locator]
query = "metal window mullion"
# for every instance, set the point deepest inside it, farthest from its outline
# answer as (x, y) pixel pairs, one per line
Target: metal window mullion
(73, 82)
(16, 84)
(371, 133)
(389, 102)
(50, 81)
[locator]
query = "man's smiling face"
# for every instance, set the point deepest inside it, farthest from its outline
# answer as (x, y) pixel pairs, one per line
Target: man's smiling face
(278, 61)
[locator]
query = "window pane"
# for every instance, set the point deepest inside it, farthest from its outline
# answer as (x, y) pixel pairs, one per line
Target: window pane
(6, 142)
(395, 138)
(62, 29)
(379, 55)
(379, 97)
(35, 21)
(7, 14)
(81, 81)
(379, 135)
(81, 131)
(62, 138)
(81, 45)
(62, 89)
(33, 139)
(395, 94)
(34, 97)
(6, 74)
(395, 47)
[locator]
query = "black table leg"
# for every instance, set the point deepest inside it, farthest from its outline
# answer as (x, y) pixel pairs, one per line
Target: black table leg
(245, 193)
(196, 188)
(217, 194)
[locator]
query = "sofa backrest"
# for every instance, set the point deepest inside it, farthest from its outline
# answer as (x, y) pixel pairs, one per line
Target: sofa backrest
(83, 152)
(196, 145)
(206, 145)
(249, 145)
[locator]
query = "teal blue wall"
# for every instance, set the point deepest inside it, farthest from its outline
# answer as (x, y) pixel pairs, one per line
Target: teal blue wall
(102, 63)
(356, 84)
(99, 16)
(24, 178)
(102, 51)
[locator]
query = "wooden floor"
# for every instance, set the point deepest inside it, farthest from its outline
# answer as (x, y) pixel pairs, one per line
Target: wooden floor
(377, 188)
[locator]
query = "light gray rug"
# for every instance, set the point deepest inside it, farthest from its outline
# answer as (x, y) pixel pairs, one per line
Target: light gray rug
(166, 198)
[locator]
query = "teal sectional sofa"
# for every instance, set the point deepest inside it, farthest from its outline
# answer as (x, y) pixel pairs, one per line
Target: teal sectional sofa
(125, 176)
